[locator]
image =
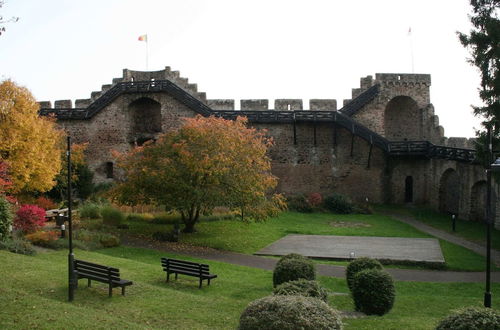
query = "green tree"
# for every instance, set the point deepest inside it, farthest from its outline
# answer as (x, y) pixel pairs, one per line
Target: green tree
(208, 162)
(483, 42)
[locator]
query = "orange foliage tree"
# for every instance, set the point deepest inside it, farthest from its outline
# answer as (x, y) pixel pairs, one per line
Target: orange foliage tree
(208, 162)
(30, 144)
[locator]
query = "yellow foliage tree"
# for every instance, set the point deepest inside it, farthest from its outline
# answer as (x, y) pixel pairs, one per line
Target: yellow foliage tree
(30, 144)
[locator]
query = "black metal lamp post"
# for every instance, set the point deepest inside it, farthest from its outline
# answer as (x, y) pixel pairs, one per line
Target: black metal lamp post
(71, 256)
(493, 167)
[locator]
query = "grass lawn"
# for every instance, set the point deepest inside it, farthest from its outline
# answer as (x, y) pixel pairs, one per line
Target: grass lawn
(470, 230)
(33, 294)
(237, 236)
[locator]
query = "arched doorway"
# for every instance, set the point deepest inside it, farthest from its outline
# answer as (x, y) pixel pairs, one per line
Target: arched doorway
(478, 201)
(449, 192)
(403, 119)
(409, 189)
(146, 117)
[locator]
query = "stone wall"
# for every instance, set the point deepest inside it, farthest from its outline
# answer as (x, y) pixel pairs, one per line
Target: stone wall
(322, 158)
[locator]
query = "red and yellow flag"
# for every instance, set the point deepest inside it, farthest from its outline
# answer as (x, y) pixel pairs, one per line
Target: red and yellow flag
(144, 37)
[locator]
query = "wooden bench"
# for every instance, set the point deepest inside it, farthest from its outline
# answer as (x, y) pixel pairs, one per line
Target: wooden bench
(104, 274)
(173, 266)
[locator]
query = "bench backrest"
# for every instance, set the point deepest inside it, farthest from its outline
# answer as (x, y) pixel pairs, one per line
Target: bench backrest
(97, 272)
(181, 265)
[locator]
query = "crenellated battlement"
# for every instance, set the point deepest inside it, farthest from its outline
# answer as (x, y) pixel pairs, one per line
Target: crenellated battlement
(403, 79)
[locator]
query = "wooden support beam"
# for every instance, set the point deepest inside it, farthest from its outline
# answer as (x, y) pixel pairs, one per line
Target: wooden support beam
(370, 153)
(314, 130)
(334, 134)
(294, 132)
(352, 145)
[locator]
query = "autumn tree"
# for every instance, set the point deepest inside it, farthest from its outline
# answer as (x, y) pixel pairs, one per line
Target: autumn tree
(208, 162)
(30, 144)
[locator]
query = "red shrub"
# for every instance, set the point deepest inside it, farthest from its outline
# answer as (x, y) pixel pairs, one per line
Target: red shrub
(45, 203)
(315, 199)
(29, 218)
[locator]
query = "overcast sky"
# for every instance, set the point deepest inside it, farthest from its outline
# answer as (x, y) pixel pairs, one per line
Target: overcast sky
(244, 49)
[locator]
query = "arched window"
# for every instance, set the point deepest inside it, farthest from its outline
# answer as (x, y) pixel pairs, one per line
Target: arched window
(449, 192)
(109, 170)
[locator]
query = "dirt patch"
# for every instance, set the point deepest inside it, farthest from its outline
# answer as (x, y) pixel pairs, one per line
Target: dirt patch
(349, 224)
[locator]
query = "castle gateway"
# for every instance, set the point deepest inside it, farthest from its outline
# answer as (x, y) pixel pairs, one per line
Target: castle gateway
(384, 145)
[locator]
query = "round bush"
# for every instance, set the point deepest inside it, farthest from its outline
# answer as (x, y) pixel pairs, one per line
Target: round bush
(289, 312)
(373, 292)
(358, 265)
(5, 219)
(293, 267)
(471, 318)
(90, 211)
(302, 287)
(29, 218)
(337, 203)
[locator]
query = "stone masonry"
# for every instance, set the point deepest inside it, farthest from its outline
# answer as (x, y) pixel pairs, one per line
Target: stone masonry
(310, 155)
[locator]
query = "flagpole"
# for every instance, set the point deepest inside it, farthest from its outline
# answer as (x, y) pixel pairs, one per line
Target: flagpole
(147, 55)
(411, 51)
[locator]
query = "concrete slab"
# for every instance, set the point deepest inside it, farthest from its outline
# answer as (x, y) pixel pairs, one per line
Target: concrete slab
(343, 247)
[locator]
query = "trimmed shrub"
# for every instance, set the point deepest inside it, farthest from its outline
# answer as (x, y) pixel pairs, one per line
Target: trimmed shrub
(337, 203)
(289, 312)
(358, 265)
(29, 218)
(298, 203)
(5, 218)
(109, 240)
(302, 287)
(471, 318)
(90, 211)
(17, 245)
(373, 292)
(43, 238)
(111, 216)
(293, 267)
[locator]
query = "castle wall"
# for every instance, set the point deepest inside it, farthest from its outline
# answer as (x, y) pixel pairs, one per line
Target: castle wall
(325, 167)
(320, 158)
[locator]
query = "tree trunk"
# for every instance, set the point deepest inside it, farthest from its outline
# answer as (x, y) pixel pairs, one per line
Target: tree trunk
(190, 220)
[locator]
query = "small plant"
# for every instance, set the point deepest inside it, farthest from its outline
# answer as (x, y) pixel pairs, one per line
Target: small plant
(294, 267)
(43, 238)
(112, 216)
(29, 218)
(358, 265)
(337, 203)
(471, 318)
(5, 218)
(109, 240)
(289, 312)
(373, 292)
(45, 203)
(315, 199)
(17, 245)
(89, 211)
(299, 203)
(302, 287)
